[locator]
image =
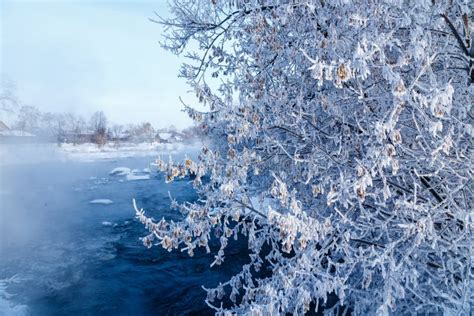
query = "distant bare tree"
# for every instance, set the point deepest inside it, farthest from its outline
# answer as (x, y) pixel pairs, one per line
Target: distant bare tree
(98, 124)
(147, 131)
(28, 119)
(8, 99)
(116, 132)
(75, 127)
(59, 127)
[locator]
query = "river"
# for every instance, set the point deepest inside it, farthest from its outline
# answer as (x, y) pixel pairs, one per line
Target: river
(69, 256)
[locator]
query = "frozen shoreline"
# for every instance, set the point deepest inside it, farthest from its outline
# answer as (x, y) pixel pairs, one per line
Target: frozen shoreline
(91, 152)
(11, 154)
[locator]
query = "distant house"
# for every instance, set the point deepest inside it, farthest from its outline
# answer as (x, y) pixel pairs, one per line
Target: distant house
(169, 136)
(163, 137)
(176, 137)
(3, 127)
(120, 137)
(10, 135)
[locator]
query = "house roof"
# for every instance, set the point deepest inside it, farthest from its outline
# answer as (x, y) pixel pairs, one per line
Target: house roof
(3, 127)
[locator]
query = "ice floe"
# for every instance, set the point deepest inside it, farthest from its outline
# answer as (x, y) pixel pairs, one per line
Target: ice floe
(101, 201)
(131, 175)
(135, 177)
(120, 171)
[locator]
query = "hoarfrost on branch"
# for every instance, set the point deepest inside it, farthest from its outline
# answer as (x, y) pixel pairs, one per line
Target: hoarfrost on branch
(340, 145)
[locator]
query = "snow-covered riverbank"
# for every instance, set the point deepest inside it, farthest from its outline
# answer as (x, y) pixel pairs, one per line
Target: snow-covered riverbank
(37, 153)
(91, 152)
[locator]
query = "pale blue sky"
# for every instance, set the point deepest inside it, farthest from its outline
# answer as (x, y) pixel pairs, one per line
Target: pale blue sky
(83, 56)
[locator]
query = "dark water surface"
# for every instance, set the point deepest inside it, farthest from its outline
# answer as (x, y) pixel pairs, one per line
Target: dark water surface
(71, 257)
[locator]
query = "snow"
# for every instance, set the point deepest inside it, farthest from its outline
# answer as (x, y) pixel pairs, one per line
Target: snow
(131, 175)
(91, 152)
(120, 171)
(134, 177)
(101, 201)
(165, 136)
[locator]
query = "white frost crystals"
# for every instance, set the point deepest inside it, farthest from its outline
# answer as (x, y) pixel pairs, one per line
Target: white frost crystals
(352, 122)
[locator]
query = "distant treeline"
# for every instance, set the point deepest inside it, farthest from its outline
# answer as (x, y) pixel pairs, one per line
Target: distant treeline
(76, 129)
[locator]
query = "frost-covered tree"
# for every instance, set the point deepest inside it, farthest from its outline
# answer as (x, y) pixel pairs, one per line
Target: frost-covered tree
(340, 145)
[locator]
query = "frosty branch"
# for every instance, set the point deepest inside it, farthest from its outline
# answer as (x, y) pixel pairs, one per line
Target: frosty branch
(340, 145)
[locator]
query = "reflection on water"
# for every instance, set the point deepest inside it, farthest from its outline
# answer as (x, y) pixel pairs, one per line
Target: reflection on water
(70, 256)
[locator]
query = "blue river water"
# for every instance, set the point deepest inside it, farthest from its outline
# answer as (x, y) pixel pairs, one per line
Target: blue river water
(71, 257)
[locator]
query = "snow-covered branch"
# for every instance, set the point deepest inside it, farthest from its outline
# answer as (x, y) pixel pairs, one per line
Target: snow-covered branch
(341, 138)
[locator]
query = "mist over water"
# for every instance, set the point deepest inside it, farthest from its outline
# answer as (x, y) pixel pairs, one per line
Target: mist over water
(70, 256)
